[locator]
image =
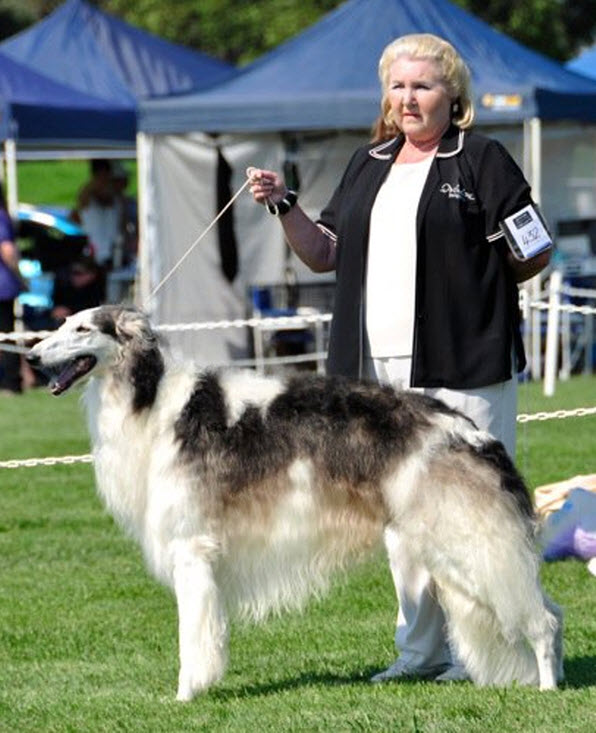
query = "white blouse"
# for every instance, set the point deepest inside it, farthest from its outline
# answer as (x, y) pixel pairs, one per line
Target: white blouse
(391, 265)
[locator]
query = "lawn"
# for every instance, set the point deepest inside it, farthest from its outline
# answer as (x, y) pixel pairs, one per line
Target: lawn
(88, 639)
(57, 182)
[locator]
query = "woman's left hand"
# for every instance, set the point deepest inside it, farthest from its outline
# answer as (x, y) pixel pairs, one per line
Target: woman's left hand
(266, 186)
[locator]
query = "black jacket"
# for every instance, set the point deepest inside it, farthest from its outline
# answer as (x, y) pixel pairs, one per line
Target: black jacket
(466, 311)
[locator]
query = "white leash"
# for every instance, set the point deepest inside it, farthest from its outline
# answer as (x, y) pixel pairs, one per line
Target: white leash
(201, 236)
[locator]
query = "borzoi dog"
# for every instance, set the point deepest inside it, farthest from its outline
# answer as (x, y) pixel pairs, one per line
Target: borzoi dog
(245, 492)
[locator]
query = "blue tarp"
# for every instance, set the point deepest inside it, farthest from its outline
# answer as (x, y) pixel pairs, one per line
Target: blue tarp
(96, 54)
(585, 63)
(36, 109)
(326, 77)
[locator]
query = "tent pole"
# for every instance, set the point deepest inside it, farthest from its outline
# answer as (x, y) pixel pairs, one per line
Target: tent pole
(12, 196)
(536, 183)
(143, 274)
(532, 160)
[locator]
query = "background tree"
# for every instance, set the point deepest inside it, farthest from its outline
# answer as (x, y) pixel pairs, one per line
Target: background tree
(555, 28)
(239, 31)
(14, 17)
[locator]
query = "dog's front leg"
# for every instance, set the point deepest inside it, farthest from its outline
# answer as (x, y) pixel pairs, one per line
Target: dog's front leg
(202, 628)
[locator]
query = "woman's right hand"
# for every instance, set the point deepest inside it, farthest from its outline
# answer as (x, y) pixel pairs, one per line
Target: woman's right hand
(266, 186)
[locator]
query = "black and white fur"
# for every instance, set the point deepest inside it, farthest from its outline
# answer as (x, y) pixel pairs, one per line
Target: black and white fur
(246, 492)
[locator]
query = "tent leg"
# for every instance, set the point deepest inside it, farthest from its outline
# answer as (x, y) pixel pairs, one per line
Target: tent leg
(12, 195)
(143, 274)
(552, 333)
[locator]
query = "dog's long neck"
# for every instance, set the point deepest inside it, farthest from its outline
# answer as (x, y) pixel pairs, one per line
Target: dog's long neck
(144, 369)
(118, 404)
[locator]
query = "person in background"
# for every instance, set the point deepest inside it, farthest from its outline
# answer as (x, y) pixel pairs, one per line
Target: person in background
(426, 285)
(126, 248)
(77, 287)
(11, 284)
(98, 212)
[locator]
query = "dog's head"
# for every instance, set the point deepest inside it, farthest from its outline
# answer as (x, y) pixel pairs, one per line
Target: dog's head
(89, 342)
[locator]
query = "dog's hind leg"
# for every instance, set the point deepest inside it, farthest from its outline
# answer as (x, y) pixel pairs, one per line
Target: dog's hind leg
(477, 636)
(546, 638)
(202, 627)
(557, 612)
(505, 637)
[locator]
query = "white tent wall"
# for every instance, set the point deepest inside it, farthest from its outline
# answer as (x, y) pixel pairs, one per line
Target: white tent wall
(180, 187)
(177, 195)
(569, 171)
(568, 167)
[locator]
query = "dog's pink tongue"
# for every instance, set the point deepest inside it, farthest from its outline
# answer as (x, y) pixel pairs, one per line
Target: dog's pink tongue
(69, 374)
(62, 382)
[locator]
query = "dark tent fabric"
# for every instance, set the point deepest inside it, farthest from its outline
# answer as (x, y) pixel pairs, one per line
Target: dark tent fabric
(326, 77)
(585, 63)
(84, 48)
(38, 110)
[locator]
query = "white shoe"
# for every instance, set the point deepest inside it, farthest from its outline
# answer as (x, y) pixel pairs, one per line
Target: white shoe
(454, 673)
(407, 671)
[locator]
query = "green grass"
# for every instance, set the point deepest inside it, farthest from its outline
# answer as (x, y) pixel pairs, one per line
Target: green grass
(88, 639)
(57, 182)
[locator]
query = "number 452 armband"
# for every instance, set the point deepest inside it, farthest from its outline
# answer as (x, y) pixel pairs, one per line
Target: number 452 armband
(526, 232)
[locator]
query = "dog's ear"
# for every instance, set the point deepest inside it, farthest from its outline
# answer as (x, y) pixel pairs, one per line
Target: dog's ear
(131, 324)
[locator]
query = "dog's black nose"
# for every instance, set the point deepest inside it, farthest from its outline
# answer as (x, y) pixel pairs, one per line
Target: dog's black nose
(32, 359)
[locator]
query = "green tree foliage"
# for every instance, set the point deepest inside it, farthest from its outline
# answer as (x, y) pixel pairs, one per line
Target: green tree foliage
(14, 18)
(241, 30)
(556, 28)
(234, 30)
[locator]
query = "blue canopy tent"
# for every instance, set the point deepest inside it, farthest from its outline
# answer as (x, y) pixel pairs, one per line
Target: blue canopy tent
(97, 55)
(326, 77)
(38, 109)
(42, 112)
(584, 63)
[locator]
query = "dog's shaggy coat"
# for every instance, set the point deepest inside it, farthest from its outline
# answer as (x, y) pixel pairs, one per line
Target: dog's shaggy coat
(245, 492)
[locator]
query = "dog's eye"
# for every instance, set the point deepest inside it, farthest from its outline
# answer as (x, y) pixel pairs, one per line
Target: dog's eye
(83, 329)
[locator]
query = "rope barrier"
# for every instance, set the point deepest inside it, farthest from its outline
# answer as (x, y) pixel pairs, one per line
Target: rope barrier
(307, 319)
(87, 458)
(585, 310)
(268, 322)
(556, 415)
(288, 321)
(51, 461)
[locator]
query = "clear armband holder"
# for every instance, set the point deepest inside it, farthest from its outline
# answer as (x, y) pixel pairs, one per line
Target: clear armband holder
(526, 233)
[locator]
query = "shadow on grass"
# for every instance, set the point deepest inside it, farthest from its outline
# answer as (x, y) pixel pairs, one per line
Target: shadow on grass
(580, 672)
(362, 677)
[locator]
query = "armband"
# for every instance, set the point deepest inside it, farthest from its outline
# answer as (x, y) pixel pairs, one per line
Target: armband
(526, 233)
(282, 207)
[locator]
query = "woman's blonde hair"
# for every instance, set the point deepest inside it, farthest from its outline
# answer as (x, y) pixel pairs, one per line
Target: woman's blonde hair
(455, 75)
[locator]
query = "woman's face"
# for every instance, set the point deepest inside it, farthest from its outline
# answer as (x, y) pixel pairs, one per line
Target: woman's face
(418, 97)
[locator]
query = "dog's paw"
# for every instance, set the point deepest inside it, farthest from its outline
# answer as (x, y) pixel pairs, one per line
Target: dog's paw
(184, 694)
(195, 681)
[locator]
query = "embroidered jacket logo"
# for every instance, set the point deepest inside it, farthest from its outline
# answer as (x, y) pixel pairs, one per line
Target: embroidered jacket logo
(456, 192)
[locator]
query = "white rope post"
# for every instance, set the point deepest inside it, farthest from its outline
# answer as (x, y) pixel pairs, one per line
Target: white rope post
(12, 194)
(552, 332)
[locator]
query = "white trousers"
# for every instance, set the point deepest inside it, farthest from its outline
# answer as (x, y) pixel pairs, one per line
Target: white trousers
(420, 633)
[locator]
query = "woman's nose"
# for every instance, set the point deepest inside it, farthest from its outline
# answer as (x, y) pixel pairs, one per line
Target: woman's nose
(409, 96)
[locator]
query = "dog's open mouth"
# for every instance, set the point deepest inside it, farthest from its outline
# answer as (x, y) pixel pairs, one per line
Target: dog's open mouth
(63, 377)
